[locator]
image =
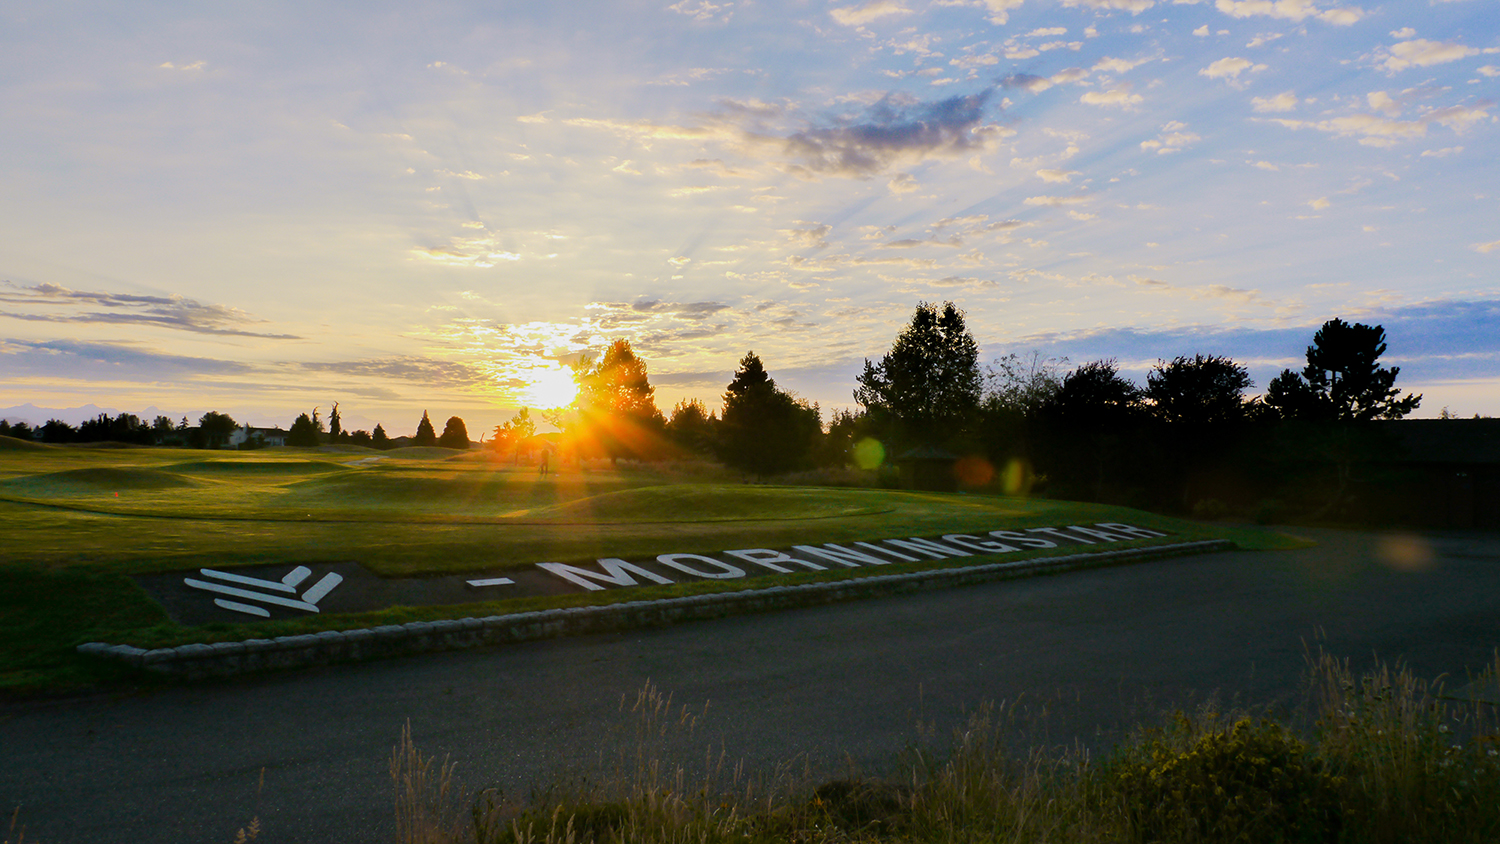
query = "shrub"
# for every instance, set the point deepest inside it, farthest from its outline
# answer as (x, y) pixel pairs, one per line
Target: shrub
(1250, 782)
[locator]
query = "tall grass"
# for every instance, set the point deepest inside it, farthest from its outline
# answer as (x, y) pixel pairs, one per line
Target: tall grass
(1373, 756)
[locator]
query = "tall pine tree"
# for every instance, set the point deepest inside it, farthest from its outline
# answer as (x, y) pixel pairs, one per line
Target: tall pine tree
(425, 434)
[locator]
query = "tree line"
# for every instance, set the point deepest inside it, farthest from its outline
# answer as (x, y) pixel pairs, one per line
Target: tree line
(1191, 434)
(1190, 437)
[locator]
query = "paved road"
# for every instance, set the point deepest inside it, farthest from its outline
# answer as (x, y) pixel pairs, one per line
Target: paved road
(308, 752)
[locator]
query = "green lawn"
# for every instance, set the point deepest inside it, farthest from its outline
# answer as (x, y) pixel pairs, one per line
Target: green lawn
(75, 522)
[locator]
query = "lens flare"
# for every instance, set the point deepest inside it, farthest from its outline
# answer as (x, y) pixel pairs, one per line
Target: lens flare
(869, 453)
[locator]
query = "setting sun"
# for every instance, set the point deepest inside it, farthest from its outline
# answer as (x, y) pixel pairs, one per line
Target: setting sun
(551, 388)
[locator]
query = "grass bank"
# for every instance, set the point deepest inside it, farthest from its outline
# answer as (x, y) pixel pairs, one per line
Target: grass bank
(1375, 757)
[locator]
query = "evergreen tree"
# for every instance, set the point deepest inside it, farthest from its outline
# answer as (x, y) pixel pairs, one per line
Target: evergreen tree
(335, 425)
(765, 430)
(1342, 380)
(455, 434)
(425, 434)
(304, 432)
(926, 388)
(616, 404)
(379, 439)
(692, 426)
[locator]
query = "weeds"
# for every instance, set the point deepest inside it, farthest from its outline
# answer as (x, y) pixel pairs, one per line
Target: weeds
(1378, 756)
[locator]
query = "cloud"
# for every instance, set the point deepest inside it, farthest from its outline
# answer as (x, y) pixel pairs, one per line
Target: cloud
(1442, 153)
(1292, 10)
(1063, 176)
(1319, 204)
(1000, 9)
(685, 310)
(1490, 70)
(1487, 248)
(1422, 53)
(423, 370)
(860, 15)
(703, 11)
(1231, 67)
(893, 130)
(99, 361)
(1285, 101)
(174, 312)
(1115, 97)
(1055, 201)
(1037, 84)
(1135, 7)
(815, 237)
(1113, 65)
(1374, 130)
(1382, 102)
(903, 183)
(1173, 138)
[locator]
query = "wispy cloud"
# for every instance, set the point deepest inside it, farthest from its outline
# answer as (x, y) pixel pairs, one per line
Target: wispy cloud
(1292, 10)
(895, 129)
(1422, 53)
(174, 312)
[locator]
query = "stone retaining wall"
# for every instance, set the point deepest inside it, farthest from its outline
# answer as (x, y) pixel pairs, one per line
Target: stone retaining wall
(332, 646)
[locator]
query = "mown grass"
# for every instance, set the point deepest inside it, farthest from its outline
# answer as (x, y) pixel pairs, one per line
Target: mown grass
(1371, 758)
(82, 520)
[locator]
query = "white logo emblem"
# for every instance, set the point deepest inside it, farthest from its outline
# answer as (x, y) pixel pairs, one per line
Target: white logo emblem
(285, 586)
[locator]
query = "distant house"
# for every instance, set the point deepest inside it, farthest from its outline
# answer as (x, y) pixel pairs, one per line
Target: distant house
(257, 437)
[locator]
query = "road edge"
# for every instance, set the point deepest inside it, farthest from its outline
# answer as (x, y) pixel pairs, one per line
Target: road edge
(329, 647)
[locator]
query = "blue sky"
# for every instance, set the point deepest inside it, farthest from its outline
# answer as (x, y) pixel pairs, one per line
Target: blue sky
(260, 208)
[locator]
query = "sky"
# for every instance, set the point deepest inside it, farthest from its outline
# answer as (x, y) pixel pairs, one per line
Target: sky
(263, 208)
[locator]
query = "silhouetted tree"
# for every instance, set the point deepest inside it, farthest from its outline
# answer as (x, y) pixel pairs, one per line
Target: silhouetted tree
(692, 426)
(1342, 380)
(1015, 391)
(455, 434)
(1092, 432)
(20, 431)
(161, 429)
(1198, 390)
(304, 431)
(124, 428)
(836, 446)
(926, 389)
(58, 431)
(615, 402)
(765, 430)
(379, 439)
(216, 428)
(512, 433)
(335, 425)
(1200, 410)
(1022, 385)
(425, 434)
(360, 438)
